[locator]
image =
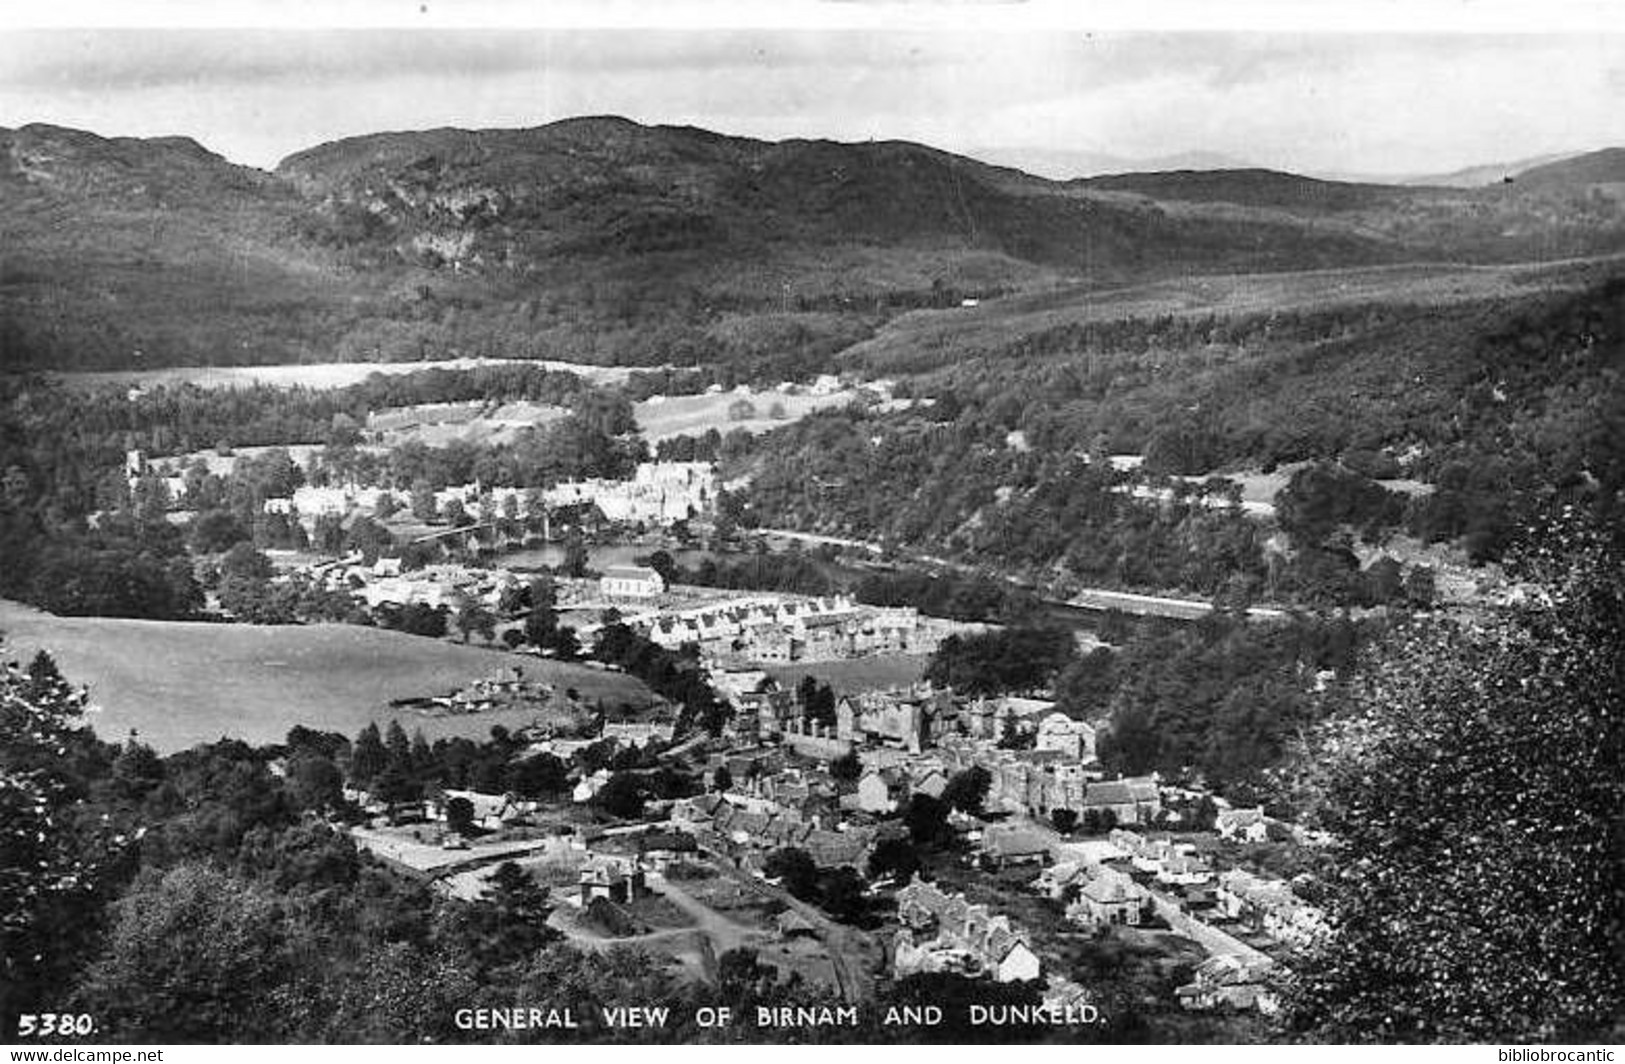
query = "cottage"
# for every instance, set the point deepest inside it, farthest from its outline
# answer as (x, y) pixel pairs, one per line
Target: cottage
(1108, 898)
(613, 878)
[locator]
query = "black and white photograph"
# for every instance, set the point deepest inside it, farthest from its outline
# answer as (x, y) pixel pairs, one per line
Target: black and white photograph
(942, 521)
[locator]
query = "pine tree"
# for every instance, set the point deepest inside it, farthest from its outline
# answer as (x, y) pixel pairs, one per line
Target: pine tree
(369, 758)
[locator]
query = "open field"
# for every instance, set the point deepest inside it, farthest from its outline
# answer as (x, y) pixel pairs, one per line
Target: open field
(924, 340)
(438, 424)
(858, 674)
(695, 415)
(319, 375)
(180, 683)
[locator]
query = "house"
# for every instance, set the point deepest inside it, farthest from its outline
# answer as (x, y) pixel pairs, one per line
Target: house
(1072, 738)
(1108, 898)
(630, 581)
(1243, 825)
(1184, 870)
(1006, 848)
(792, 924)
(944, 932)
(1229, 982)
(839, 849)
(1017, 964)
(613, 878)
(638, 733)
(490, 810)
(881, 791)
(1268, 905)
(590, 785)
(930, 780)
(1132, 800)
(1056, 880)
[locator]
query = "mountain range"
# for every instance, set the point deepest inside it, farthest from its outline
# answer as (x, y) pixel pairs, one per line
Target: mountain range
(601, 239)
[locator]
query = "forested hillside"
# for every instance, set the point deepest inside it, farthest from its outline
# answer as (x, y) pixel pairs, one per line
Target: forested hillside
(1502, 407)
(602, 240)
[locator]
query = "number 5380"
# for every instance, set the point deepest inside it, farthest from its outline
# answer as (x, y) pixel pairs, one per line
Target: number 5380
(60, 1024)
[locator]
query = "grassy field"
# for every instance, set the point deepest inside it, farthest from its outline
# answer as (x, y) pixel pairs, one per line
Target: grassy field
(694, 415)
(858, 674)
(319, 375)
(923, 340)
(179, 683)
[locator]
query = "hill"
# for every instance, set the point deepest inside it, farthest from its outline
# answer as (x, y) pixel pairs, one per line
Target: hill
(1066, 164)
(181, 683)
(595, 240)
(1578, 172)
(600, 240)
(1251, 187)
(1485, 174)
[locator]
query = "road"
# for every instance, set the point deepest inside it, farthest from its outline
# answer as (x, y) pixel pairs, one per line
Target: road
(853, 981)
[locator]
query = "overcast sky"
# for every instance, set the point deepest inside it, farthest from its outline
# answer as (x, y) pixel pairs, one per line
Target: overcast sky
(1312, 101)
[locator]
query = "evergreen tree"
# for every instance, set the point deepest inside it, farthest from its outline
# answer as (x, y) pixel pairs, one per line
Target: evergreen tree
(369, 758)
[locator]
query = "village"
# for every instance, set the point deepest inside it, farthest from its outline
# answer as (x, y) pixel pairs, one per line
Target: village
(791, 844)
(864, 829)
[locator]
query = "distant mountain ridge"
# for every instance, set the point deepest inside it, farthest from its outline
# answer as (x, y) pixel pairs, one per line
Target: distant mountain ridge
(600, 239)
(1062, 164)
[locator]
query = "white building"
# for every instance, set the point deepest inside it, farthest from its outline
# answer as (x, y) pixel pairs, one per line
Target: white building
(630, 581)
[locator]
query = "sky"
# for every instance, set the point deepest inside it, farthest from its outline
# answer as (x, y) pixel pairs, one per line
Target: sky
(1354, 95)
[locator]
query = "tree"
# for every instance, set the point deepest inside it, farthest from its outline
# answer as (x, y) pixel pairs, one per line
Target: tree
(926, 818)
(315, 782)
(398, 746)
(242, 560)
(472, 617)
(369, 758)
(967, 790)
(846, 768)
(541, 625)
(194, 955)
(1064, 820)
(396, 787)
(424, 507)
(1006, 659)
(521, 907)
(1475, 781)
(795, 870)
(538, 777)
(575, 555)
(460, 815)
(622, 796)
(895, 858)
(215, 530)
(722, 779)
(51, 866)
